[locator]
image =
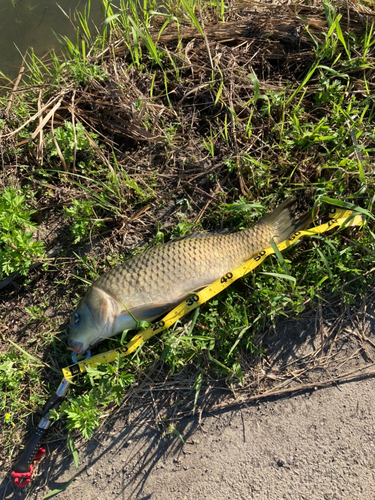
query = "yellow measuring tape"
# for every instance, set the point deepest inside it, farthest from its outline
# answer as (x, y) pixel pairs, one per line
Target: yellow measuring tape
(338, 218)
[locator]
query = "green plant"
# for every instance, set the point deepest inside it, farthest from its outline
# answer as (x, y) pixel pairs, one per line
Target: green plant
(329, 91)
(72, 143)
(170, 132)
(84, 218)
(19, 376)
(18, 248)
(209, 144)
(36, 313)
(183, 227)
(145, 195)
(304, 136)
(84, 412)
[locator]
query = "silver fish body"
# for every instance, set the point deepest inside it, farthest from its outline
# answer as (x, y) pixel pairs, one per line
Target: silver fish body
(152, 283)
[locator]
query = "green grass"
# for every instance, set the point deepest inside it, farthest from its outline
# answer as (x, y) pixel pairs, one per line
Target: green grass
(313, 136)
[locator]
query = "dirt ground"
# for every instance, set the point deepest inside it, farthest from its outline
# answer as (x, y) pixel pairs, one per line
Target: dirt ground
(315, 443)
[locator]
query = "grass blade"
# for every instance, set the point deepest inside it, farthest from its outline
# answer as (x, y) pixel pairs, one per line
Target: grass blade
(346, 204)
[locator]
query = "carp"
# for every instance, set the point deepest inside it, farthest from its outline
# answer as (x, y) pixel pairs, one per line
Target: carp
(152, 283)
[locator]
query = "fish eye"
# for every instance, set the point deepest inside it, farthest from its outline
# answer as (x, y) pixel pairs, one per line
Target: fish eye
(76, 318)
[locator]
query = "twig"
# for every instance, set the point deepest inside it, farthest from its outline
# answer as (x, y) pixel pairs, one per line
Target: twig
(207, 43)
(358, 245)
(39, 152)
(243, 186)
(347, 377)
(74, 132)
(15, 86)
(57, 146)
(49, 115)
(34, 117)
(321, 329)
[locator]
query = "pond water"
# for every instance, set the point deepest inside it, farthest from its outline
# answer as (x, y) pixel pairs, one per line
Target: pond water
(32, 23)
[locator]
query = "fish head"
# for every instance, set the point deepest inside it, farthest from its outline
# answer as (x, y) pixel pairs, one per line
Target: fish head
(93, 320)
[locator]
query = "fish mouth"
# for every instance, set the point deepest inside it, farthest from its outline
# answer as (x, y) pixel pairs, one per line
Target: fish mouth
(76, 346)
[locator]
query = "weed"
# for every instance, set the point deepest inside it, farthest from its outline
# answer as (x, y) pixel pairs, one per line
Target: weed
(170, 132)
(169, 428)
(144, 195)
(209, 144)
(19, 389)
(18, 248)
(84, 219)
(36, 313)
(81, 413)
(183, 227)
(84, 411)
(329, 91)
(304, 136)
(73, 144)
(89, 266)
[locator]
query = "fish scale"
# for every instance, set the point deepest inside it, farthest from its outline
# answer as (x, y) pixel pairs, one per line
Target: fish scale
(151, 283)
(168, 272)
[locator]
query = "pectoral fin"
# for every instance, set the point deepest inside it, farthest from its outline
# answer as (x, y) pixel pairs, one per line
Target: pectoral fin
(149, 312)
(127, 319)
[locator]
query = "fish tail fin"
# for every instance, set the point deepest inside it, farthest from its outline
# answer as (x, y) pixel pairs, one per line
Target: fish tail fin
(282, 221)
